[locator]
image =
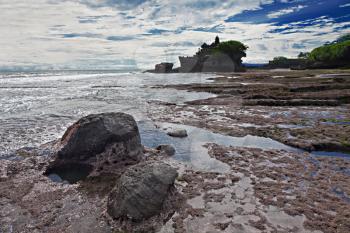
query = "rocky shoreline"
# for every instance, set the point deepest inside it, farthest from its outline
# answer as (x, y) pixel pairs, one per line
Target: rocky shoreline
(121, 186)
(96, 178)
(304, 109)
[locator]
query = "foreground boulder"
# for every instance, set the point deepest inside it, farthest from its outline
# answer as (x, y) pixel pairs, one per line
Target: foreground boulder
(141, 191)
(104, 141)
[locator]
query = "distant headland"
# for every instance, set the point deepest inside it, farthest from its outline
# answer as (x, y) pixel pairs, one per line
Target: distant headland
(227, 57)
(332, 55)
(215, 57)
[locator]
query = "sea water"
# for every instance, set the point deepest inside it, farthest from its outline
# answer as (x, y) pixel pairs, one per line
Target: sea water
(37, 107)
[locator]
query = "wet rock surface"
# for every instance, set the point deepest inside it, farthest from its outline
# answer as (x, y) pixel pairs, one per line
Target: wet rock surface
(268, 190)
(262, 190)
(304, 109)
(141, 191)
(53, 188)
(32, 202)
(265, 191)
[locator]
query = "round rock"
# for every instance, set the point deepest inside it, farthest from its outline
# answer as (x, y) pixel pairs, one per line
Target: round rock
(141, 191)
(179, 133)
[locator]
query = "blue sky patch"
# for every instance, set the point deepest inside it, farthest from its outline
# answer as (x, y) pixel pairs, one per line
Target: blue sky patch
(281, 13)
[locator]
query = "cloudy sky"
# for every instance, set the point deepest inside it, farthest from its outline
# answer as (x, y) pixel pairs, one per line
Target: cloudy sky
(118, 34)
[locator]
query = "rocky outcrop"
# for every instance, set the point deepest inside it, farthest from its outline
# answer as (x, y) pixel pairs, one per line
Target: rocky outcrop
(99, 152)
(164, 67)
(141, 191)
(104, 141)
(209, 63)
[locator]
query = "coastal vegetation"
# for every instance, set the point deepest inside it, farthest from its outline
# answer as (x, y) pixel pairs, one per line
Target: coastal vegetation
(235, 50)
(335, 54)
(343, 38)
(284, 62)
(227, 56)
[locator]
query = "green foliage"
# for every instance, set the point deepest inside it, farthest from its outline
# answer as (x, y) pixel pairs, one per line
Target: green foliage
(283, 62)
(303, 55)
(331, 53)
(234, 49)
(280, 59)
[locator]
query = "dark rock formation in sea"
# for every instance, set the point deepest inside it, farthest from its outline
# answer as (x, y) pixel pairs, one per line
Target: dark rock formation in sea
(164, 67)
(208, 63)
(216, 57)
(104, 141)
(141, 191)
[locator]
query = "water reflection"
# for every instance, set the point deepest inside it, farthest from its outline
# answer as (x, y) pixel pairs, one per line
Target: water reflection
(191, 150)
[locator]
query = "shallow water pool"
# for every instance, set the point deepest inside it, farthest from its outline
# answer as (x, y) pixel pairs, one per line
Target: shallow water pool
(191, 149)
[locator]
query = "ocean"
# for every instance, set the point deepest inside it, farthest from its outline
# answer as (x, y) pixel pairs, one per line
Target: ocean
(37, 107)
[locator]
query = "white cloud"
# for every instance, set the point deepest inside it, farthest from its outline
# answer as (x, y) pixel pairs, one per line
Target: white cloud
(100, 34)
(345, 5)
(285, 11)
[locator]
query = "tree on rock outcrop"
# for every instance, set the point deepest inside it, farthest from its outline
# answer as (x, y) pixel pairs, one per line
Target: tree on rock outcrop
(234, 49)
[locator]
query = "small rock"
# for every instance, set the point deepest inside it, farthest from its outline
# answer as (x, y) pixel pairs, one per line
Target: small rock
(167, 149)
(140, 192)
(179, 133)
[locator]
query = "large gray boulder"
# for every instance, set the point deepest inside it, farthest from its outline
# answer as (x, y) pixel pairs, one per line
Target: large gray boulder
(141, 191)
(93, 134)
(107, 143)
